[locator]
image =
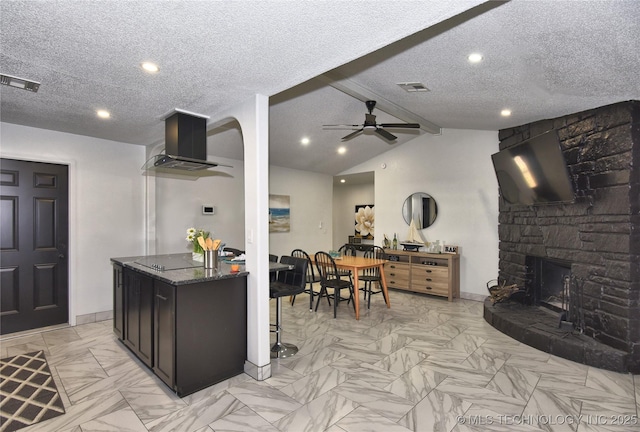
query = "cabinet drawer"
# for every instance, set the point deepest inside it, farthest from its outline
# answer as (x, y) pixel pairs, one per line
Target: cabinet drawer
(434, 273)
(396, 270)
(398, 283)
(431, 288)
(397, 275)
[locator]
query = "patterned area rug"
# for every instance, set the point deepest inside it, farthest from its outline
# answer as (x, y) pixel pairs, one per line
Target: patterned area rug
(28, 394)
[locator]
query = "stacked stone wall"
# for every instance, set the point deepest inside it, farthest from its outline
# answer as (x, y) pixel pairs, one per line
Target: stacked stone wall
(599, 233)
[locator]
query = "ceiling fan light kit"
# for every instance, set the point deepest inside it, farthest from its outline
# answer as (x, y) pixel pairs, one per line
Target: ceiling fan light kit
(370, 124)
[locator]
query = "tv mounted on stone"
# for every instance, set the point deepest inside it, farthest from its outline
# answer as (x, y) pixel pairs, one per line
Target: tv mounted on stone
(534, 172)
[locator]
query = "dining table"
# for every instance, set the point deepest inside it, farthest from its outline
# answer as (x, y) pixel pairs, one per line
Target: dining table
(357, 263)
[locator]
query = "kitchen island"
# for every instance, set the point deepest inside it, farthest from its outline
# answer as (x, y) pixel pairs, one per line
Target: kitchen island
(187, 323)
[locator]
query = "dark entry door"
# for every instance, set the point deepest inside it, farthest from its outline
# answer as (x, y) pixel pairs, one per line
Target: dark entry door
(34, 231)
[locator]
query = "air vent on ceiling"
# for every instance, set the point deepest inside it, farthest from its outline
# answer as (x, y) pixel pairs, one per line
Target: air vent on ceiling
(413, 87)
(20, 83)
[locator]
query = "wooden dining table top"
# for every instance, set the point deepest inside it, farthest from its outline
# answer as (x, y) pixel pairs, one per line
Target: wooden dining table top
(358, 262)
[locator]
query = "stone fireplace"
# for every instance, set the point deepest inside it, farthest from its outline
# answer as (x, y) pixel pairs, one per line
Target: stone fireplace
(582, 258)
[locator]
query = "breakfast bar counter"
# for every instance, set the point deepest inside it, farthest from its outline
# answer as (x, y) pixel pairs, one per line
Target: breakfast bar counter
(187, 323)
(177, 269)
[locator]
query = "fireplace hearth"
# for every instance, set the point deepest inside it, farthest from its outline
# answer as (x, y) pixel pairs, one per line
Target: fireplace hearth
(579, 262)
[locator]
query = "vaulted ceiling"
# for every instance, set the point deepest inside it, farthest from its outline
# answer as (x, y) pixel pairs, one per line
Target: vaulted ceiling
(317, 61)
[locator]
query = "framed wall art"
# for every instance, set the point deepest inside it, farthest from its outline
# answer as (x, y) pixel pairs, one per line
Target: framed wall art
(279, 213)
(365, 221)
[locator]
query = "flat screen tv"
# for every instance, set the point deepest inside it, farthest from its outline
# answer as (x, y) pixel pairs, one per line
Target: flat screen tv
(534, 172)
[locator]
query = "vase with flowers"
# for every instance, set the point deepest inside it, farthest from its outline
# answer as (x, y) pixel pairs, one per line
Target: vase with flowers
(197, 254)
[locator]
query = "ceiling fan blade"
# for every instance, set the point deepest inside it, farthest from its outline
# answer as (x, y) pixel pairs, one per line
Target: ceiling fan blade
(400, 125)
(352, 134)
(385, 134)
(342, 125)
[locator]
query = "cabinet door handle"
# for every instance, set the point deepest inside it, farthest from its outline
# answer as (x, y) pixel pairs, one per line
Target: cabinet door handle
(392, 274)
(392, 266)
(428, 271)
(429, 279)
(161, 297)
(429, 288)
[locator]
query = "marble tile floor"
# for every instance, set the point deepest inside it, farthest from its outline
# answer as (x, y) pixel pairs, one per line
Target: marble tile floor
(425, 364)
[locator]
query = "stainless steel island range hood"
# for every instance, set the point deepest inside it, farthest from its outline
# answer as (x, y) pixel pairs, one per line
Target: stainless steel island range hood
(185, 147)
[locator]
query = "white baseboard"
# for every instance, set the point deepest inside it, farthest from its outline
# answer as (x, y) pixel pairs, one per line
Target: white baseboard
(94, 317)
(473, 296)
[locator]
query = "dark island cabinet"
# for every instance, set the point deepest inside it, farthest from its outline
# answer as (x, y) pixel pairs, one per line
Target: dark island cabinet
(138, 315)
(191, 335)
(118, 301)
(165, 332)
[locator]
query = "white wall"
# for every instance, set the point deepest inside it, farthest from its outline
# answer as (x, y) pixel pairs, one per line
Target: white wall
(178, 206)
(311, 206)
(106, 205)
(345, 198)
(455, 168)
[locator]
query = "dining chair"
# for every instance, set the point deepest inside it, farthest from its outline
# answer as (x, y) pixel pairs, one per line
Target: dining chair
(347, 250)
(288, 282)
(312, 277)
(372, 275)
(330, 278)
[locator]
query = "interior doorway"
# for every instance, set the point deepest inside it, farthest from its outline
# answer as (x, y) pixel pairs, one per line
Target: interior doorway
(350, 193)
(34, 233)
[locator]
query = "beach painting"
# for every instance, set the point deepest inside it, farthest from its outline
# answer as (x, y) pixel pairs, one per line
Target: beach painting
(279, 213)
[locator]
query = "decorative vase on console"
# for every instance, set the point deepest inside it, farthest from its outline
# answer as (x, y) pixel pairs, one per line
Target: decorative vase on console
(197, 253)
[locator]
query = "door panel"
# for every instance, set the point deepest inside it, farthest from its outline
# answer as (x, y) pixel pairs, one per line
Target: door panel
(33, 245)
(9, 290)
(44, 224)
(44, 289)
(9, 218)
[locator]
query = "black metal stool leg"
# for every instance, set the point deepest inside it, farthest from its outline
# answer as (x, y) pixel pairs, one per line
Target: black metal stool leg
(280, 349)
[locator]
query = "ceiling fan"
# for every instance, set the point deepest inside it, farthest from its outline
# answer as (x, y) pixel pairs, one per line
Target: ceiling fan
(370, 124)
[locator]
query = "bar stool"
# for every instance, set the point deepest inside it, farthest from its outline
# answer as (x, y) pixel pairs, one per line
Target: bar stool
(288, 283)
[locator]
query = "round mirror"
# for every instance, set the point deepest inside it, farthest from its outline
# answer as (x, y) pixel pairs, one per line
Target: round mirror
(421, 208)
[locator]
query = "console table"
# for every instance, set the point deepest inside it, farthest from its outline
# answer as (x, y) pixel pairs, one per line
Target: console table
(421, 272)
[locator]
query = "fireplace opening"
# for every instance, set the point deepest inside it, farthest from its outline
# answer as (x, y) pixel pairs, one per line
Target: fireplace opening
(549, 283)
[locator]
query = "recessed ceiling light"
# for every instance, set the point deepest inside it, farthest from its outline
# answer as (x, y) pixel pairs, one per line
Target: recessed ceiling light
(150, 67)
(342, 150)
(305, 141)
(343, 181)
(103, 114)
(505, 113)
(474, 58)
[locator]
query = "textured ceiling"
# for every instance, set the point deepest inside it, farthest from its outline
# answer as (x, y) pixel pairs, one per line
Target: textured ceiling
(542, 59)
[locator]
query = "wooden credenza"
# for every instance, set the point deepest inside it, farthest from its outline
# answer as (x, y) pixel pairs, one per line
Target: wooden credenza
(421, 272)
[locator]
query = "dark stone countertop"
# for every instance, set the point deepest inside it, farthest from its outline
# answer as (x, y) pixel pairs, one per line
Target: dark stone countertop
(184, 276)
